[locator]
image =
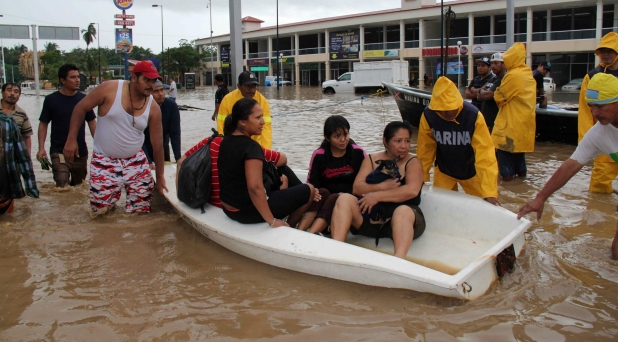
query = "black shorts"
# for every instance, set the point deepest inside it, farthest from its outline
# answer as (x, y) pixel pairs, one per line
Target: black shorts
(380, 230)
(281, 203)
(511, 164)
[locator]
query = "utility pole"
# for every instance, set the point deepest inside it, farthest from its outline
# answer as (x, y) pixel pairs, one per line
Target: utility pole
(510, 22)
(235, 40)
(35, 58)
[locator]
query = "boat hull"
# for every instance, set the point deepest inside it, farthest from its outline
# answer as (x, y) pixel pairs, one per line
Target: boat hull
(466, 275)
(551, 125)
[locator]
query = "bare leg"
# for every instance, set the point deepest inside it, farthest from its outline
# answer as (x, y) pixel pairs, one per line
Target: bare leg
(306, 221)
(318, 225)
(615, 245)
(345, 215)
(297, 214)
(403, 230)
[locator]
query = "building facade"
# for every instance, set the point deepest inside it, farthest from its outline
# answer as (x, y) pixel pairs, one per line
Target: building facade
(564, 32)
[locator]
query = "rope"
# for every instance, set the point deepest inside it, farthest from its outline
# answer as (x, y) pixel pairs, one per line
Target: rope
(379, 92)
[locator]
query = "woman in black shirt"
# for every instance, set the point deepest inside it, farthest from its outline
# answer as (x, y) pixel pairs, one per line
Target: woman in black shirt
(240, 163)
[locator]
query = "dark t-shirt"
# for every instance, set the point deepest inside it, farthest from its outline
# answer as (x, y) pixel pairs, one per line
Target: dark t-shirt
(489, 108)
(234, 150)
(538, 77)
(58, 109)
(221, 92)
(335, 174)
(477, 82)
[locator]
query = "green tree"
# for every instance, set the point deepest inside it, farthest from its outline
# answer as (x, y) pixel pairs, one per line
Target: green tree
(51, 60)
(89, 36)
(140, 54)
(51, 46)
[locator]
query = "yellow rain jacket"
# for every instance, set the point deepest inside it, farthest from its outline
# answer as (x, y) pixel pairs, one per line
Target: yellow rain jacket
(605, 169)
(515, 126)
(266, 138)
(484, 184)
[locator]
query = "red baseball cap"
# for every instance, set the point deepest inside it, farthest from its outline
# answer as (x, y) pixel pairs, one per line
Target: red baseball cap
(148, 69)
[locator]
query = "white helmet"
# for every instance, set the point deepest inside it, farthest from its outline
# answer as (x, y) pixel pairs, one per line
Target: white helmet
(498, 56)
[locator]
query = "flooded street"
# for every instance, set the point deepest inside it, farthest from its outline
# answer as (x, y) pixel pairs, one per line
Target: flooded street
(152, 277)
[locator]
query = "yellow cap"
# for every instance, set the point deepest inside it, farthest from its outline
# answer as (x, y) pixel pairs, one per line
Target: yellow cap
(445, 96)
(602, 89)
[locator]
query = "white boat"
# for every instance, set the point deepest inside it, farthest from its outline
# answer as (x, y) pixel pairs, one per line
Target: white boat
(455, 257)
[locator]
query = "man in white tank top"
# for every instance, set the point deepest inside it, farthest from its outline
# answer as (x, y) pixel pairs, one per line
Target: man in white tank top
(124, 111)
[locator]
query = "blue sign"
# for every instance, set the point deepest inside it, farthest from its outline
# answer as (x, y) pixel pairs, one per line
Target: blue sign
(225, 54)
(344, 45)
(451, 68)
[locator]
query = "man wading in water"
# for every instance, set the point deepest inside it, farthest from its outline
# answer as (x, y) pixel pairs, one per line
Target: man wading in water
(602, 138)
(125, 110)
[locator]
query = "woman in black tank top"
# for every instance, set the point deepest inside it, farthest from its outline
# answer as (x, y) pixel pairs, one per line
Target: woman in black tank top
(403, 220)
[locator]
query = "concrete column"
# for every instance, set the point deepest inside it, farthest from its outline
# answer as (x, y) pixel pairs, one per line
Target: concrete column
(296, 43)
(319, 73)
(297, 74)
(471, 64)
(491, 29)
(270, 53)
(548, 34)
(362, 43)
(384, 37)
(246, 49)
(327, 62)
(421, 59)
(235, 40)
(529, 18)
(218, 53)
(615, 25)
(402, 38)
(599, 33)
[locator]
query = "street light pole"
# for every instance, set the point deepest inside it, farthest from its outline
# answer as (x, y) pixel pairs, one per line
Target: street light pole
(212, 68)
(99, 47)
(162, 51)
(277, 44)
(458, 62)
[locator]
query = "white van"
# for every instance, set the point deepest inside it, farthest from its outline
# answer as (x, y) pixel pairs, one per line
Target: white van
(270, 80)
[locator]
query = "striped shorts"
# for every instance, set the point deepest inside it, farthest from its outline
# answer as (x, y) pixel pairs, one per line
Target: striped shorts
(108, 175)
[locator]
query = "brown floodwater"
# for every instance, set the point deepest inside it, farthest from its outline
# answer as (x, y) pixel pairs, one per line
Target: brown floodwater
(152, 277)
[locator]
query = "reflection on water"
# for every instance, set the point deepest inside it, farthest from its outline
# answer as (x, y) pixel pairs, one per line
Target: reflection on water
(66, 276)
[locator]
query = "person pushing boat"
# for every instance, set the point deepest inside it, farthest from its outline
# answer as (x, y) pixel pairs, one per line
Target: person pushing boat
(602, 138)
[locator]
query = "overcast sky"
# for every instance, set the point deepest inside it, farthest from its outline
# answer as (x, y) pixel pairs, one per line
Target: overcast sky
(188, 19)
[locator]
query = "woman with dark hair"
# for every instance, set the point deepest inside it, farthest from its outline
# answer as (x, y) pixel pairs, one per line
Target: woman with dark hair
(332, 169)
(241, 163)
(403, 220)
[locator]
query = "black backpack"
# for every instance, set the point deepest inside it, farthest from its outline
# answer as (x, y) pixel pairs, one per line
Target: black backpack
(195, 175)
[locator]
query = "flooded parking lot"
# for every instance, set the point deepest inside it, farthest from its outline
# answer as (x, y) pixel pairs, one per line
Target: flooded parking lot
(152, 277)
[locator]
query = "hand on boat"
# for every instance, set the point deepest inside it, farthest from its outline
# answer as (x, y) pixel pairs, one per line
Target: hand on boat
(535, 205)
(367, 202)
(493, 201)
(160, 185)
(280, 223)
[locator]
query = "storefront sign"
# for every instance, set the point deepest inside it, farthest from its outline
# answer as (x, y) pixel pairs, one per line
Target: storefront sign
(344, 45)
(429, 52)
(259, 68)
(451, 68)
(257, 62)
(381, 53)
(225, 64)
(124, 40)
(225, 54)
(488, 48)
(463, 50)
(123, 4)
(124, 16)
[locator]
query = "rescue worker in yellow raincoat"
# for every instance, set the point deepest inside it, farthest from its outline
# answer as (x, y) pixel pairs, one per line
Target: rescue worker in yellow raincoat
(515, 126)
(247, 88)
(454, 137)
(605, 168)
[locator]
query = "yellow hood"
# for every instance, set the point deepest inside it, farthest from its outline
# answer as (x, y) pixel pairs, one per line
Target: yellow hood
(445, 96)
(609, 41)
(515, 56)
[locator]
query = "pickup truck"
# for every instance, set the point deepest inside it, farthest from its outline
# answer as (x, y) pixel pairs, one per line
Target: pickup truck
(367, 77)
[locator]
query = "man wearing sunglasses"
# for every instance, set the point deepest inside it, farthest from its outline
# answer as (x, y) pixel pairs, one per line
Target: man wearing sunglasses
(126, 108)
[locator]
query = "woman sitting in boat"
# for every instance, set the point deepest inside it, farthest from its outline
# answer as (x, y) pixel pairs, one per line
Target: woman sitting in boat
(398, 200)
(332, 170)
(241, 161)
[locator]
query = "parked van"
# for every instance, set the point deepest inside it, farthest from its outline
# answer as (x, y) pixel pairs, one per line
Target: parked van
(548, 84)
(270, 80)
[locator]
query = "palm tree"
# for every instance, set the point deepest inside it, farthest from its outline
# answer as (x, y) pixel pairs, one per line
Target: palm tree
(51, 47)
(89, 35)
